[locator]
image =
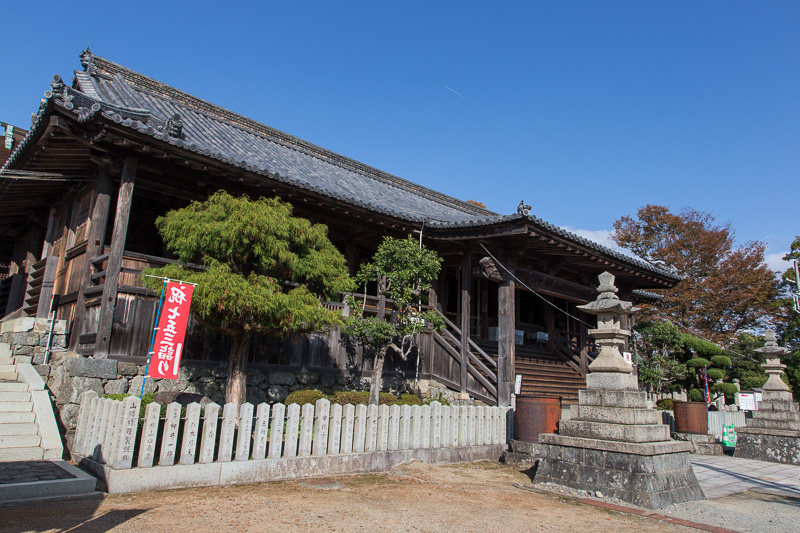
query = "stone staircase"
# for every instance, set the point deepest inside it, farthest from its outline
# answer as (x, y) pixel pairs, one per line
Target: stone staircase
(30, 443)
(28, 431)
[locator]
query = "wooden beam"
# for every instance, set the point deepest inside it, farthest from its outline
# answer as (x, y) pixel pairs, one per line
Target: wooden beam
(109, 298)
(466, 281)
(94, 246)
(505, 342)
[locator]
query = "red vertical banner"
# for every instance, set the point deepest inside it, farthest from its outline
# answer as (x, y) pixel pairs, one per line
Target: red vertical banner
(168, 346)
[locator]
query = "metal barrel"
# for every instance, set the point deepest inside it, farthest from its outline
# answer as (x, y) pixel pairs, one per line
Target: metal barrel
(691, 417)
(535, 415)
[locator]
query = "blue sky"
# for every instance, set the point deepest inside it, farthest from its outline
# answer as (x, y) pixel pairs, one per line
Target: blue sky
(586, 110)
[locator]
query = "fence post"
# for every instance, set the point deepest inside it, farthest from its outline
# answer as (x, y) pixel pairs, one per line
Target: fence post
(112, 430)
(306, 430)
(245, 431)
(209, 440)
(83, 421)
(191, 428)
(335, 431)
(371, 443)
(122, 457)
(276, 430)
(463, 426)
(322, 413)
(445, 425)
(348, 428)
(261, 431)
(405, 427)
(383, 428)
(227, 433)
(292, 429)
(360, 432)
(394, 427)
(425, 427)
(436, 425)
(169, 436)
(416, 427)
(102, 427)
(147, 445)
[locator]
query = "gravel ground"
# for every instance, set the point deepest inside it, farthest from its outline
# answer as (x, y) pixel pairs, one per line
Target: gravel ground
(747, 511)
(416, 497)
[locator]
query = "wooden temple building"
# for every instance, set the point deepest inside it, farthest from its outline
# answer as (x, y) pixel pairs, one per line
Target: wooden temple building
(113, 149)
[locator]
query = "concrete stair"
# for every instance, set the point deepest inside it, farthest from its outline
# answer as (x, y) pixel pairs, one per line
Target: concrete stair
(30, 445)
(23, 419)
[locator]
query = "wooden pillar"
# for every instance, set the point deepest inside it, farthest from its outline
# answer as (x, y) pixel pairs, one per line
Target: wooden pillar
(483, 285)
(53, 264)
(466, 282)
(505, 341)
(16, 293)
(49, 233)
(94, 247)
(350, 253)
(109, 299)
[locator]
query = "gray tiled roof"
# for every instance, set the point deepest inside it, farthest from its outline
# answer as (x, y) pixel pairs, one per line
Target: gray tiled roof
(147, 106)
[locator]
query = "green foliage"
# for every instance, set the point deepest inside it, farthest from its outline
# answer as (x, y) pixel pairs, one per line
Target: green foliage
(261, 270)
(715, 373)
(404, 271)
(721, 361)
(302, 397)
(665, 404)
(658, 342)
(728, 389)
(438, 398)
(147, 399)
(265, 270)
(408, 399)
(698, 362)
(360, 397)
(700, 346)
(696, 395)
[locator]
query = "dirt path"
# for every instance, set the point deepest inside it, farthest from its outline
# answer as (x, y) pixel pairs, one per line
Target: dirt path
(415, 497)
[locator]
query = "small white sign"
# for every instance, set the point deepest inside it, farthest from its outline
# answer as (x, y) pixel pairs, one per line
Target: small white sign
(518, 384)
(628, 357)
(747, 401)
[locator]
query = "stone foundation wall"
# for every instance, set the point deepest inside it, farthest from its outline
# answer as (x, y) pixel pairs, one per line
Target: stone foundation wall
(772, 448)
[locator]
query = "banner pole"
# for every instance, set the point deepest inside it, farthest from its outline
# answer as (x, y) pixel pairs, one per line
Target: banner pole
(153, 335)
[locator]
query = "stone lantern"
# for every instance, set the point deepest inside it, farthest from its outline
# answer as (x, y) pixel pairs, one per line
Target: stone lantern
(615, 443)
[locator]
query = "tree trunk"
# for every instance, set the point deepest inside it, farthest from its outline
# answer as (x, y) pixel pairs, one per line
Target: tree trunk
(377, 373)
(237, 368)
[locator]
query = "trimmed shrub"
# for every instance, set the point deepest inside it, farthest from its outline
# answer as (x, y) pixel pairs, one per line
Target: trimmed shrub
(698, 362)
(360, 397)
(721, 361)
(715, 373)
(408, 399)
(305, 396)
(696, 395)
(665, 404)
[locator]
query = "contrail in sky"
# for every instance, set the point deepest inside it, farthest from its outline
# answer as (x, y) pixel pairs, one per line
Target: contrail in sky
(456, 93)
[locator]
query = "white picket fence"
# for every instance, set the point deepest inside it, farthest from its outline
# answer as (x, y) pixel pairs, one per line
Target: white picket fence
(107, 430)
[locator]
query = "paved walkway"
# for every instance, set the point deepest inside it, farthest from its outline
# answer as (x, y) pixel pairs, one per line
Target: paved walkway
(721, 475)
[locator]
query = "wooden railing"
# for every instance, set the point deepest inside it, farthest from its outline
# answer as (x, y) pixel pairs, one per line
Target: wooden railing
(479, 364)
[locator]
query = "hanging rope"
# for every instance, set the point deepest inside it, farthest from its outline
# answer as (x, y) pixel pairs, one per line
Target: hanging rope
(545, 300)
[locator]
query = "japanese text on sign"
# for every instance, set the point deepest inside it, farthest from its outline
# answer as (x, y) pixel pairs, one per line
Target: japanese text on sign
(168, 346)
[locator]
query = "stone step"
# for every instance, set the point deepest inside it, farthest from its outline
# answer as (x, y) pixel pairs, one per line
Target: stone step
(19, 441)
(13, 387)
(6, 396)
(76, 482)
(17, 417)
(616, 432)
(8, 368)
(619, 415)
(21, 454)
(19, 359)
(5, 350)
(6, 407)
(6, 361)
(18, 429)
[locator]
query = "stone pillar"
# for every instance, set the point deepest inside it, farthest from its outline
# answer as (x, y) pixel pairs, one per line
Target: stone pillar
(614, 443)
(773, 434)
